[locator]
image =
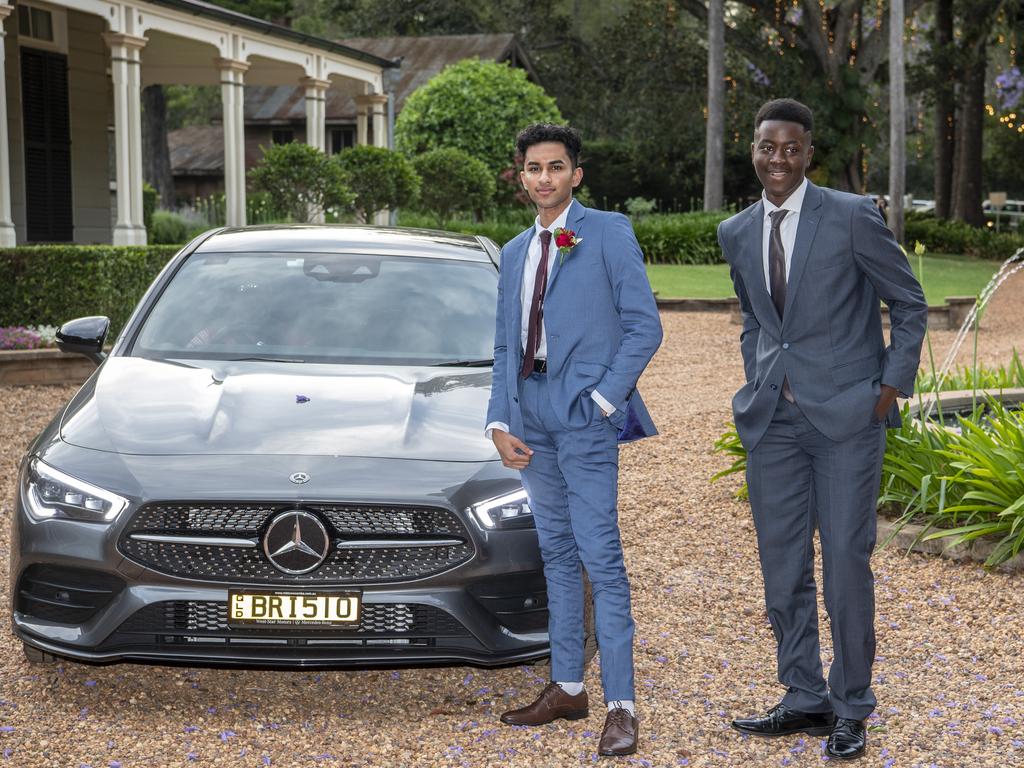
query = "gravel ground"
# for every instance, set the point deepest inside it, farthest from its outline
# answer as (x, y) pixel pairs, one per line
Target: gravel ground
(948, 676)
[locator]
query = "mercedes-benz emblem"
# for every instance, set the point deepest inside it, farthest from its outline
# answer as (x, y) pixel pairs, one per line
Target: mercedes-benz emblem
(296, 542)
(299, 477)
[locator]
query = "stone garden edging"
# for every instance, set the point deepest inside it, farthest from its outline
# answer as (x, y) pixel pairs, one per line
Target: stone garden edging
(950, 315)
(976, 551)
(43, 366)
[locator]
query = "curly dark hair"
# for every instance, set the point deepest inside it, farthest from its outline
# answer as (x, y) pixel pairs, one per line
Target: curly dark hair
(541, 132)
(789, 110)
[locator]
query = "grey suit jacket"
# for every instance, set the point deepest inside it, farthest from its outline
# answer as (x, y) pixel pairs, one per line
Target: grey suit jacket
(830, 344)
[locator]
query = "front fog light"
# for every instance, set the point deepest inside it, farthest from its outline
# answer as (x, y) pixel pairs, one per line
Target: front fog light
(509, 511)
(49, 493)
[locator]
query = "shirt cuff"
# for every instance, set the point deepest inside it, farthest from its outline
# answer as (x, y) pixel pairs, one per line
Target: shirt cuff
(495, 425)
(607, 407)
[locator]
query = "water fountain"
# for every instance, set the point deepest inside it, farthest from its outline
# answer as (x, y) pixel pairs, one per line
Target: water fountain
(1009, 267)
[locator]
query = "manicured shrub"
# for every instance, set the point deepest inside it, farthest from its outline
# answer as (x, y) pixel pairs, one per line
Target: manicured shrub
(452, 181)
(476, 106)
(301, 181)
(51, 284)
(168, 228)
(379, 178)
(941, 236)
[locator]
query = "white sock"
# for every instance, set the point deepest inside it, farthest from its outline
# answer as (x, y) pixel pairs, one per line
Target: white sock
(626, 704)
(573, 689)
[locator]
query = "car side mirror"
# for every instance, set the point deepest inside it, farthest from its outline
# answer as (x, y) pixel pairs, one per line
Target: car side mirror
(84, 336)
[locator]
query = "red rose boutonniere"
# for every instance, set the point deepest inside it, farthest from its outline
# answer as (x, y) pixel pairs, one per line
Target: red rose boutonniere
(565, 240)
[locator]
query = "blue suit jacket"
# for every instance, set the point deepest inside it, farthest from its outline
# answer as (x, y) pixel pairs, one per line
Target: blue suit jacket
(601, 323)
(830, 343)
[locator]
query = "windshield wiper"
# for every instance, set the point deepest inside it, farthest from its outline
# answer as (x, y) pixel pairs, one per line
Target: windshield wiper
(464, 364)
(263, 360)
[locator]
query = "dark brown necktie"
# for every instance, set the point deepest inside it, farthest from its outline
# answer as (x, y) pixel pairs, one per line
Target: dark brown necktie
(777, 261)
(540, 284)
(777, 277)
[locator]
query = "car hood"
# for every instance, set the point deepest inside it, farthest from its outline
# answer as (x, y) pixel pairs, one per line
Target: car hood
(166, 407)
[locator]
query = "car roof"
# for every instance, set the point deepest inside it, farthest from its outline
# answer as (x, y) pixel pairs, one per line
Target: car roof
(340, 238)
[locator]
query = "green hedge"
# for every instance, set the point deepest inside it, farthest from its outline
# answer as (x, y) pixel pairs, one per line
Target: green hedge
(671, 238)
(941, 236)
(51, 284)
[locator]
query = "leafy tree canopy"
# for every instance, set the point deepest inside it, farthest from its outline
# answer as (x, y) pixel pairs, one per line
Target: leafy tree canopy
(476, 106)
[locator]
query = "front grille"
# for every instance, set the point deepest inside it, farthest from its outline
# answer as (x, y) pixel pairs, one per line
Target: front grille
(191, 622)
(373, 562)
(65, 595)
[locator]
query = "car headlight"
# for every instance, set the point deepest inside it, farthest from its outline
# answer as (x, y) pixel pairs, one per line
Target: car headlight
(509, 511)
(50, 493)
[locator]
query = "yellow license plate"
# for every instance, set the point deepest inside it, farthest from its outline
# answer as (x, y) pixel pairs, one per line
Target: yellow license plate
(294, 609)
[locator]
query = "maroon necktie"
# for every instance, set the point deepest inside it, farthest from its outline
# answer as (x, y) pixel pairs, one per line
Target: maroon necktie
(540, 283)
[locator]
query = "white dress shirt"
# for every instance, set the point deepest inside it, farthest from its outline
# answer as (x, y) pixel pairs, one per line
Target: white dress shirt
(526, 297)
(787, 229)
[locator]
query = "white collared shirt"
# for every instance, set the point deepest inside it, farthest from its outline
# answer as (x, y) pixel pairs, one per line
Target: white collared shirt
(530, 278)
(787, 229)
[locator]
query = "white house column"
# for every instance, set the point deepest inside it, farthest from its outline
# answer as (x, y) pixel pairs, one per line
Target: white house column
(362, 110)
(378, 107)
(316, 112)
(7, 236)
(125, 65)
(232, 96)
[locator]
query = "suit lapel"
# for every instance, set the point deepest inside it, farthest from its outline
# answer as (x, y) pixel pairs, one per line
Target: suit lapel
(753, 240)
(810, 215)
(518, 254)
(574, 222)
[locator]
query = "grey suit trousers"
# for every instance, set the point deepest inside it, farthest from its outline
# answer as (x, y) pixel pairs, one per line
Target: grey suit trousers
(798, 480)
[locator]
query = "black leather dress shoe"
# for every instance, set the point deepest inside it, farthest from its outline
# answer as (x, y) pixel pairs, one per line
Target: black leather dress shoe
(847, 739)
(782, 721)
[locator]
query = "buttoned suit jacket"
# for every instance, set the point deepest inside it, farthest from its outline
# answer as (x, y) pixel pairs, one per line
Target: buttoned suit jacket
(829, 343)
(601, 324)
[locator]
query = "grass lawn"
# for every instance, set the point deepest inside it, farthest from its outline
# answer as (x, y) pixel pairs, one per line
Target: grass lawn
(944, 275)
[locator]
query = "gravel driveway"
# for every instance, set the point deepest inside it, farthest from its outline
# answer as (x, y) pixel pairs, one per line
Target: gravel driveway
(949, 675)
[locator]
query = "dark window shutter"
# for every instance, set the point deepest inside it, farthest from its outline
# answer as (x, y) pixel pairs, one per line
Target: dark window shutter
(47, 125)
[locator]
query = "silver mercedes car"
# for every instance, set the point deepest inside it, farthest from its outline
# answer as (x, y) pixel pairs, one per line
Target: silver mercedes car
(281, 461)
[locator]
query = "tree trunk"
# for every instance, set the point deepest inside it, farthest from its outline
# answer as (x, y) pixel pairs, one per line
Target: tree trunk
(714, 151)
(967, 190)
(156, 156)
(945, 124)
(897, 120)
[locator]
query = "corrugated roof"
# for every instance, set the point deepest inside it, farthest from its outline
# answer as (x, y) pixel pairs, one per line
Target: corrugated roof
(423, 57)
(197, 150)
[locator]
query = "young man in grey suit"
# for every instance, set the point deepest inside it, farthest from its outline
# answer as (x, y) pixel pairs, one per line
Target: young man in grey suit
(576, 326)
(809, 265)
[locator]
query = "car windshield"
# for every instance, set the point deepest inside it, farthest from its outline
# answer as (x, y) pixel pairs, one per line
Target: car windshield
(335, 308)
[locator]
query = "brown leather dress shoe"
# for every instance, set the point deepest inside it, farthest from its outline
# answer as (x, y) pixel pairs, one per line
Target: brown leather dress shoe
(620, 734)
(552, 703)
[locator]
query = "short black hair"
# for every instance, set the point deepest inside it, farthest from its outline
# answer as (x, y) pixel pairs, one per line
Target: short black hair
(789, 110)
(541, 132)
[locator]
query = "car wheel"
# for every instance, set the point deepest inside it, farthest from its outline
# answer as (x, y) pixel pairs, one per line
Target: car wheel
(37, 656)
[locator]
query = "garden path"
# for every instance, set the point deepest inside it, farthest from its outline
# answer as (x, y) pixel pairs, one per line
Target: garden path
(949, 677)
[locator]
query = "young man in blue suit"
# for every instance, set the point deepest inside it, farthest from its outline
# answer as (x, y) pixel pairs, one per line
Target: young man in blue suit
(576, 326)
(809, 266)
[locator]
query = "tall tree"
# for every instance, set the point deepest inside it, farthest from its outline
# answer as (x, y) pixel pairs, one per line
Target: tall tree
(714, 148)
(156, 157)
(840, 40)
(943, 55)
(897, 120)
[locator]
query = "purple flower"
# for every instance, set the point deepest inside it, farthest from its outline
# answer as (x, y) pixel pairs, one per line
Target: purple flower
(995, 730)
(225, 735)
(19, 337)
(191, 728)
(6, 729)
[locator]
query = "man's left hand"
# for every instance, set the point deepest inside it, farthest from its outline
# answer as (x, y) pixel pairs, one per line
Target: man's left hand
(885, 401)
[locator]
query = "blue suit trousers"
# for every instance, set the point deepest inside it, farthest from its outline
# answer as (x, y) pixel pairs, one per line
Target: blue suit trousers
(572, 485)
